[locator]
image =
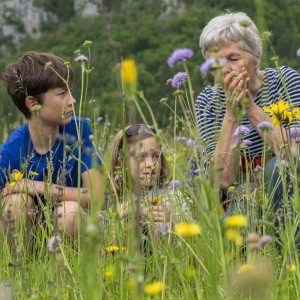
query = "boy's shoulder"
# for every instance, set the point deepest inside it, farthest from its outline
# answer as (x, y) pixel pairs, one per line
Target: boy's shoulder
(20, 135)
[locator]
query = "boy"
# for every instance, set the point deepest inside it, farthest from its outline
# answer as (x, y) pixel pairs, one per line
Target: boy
(40, 159)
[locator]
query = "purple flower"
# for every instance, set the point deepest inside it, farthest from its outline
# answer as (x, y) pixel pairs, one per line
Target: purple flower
(179, 55)
(118, 177)
(52, 242)
(246, 143)
(81, 58)
(100, 149)
(88, 119)
(241, 131)
(144, 132)
(181, 139)
(108, 124)
(92, 101)
(190, 142)
(265, 126)
(106, 195)
(198, 172)
(265, 239)
(99, 119)
(210, 63)
(298, 51)
(175, 183)
(164, 228)
(178, 79)
(294, 134)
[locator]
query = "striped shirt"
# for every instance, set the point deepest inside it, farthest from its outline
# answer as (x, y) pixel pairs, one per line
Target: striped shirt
(211, 108)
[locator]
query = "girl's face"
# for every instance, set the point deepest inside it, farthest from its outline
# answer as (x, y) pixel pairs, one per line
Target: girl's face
(145, 161)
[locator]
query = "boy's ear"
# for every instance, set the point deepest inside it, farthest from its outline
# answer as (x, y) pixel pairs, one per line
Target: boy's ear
(30, 102)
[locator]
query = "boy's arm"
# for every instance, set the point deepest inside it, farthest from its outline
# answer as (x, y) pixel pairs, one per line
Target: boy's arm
(91, 188)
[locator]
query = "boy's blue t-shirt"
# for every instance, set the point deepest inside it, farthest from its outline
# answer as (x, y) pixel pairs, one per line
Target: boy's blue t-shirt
(18, 153)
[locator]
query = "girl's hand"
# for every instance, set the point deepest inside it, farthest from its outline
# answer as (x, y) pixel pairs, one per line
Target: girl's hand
(160, 213)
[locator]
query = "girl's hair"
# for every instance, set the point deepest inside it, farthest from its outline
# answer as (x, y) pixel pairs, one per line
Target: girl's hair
(131, 133)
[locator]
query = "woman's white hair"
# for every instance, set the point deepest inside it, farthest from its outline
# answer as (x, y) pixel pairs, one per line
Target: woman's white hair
(227, 28)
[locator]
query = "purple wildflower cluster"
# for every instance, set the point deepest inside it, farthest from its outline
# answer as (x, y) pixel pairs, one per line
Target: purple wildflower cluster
(241, 131)
(164, 228)
(265, 126)
(194, 170)
(174, 184)
(265, 239)
(181, 139)
(144, 131)
(81, 58)
(294, 134)
(211, 64)
(52, 243)
(99, 119)
(298, 51)
(179, 55)
(178, 79)
(92, 101)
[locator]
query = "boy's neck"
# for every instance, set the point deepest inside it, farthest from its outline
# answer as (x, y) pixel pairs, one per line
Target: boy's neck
(43, 137)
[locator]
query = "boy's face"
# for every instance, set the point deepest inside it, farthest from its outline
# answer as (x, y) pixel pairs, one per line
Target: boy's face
(56, 107)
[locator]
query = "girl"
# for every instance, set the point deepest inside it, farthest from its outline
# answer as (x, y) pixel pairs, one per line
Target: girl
(149, 172)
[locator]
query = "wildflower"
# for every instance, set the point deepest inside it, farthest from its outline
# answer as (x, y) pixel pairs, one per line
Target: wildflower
(128, 71)
(164, 228)
(298, 51)
(124, 248)
(52, 242)
(292, 268)
(118, 177)
(179, 55)
(144, 131)
(156, 199)
(233, 235)
(190, 142)
(277, 111)
(112, 248)
(109, 273)
(99, 119)
(241, 131)
(169, 81)
(100, 149)
(198, 172)
(154, 288)
(265, 239)
(212, 64)
(184, 229)
(294, 134)
(81, 58)
(88, 119)
(265, 127)
(252, 237)
(181, 139)
(178, 79)
(168, 158)
(108, 124)
(12, 183)
(92, 101)
(245, 268)
(18, 176)
(174, 183)
(236, 221)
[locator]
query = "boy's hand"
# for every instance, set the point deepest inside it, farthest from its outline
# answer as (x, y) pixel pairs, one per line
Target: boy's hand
(23, 186)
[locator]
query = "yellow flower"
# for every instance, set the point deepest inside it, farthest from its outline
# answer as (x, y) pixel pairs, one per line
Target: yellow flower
(292, 268)
(112, 248)
(154, 288)
(184, 149)
(233, 235)
(245, 268)
(184, 229)
(34, 173)
(124, 248)
(296, 113)
(109, 273)
(18, 176)
(128, 71)
(12, 184)
(168, 158)
(277, 111)
(236, 221)
(156, 199)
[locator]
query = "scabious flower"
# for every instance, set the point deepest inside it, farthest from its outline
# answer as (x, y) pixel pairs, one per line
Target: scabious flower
(246, 143)
(190, 142)
(294, 134)
(108, 124)
(181, 139)
(279, 112)
(112, 248)
(178, 79)
(144, 131)
(175, 183)
(265, 239)
(184, 229)
(236, 221)
(88, 119)
(81, 58)
(99, 119)
(212, 64)
(52, 242)
(154, 288)
(92, 101)
(265, 127)
(241, 131)
(298, 51)
(245, 268)
(164, 228)
(179, 55)
(100, 149)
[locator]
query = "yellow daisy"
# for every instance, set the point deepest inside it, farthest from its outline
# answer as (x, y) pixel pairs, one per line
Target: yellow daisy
(154, 288)
(184, 229)
(236, 221)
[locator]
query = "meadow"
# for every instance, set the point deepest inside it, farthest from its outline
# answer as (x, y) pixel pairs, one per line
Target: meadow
(244, 256)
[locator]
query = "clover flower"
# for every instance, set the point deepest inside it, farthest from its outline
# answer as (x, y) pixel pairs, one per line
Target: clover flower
(154, 288)
(164, 228)
(187, 230)
(212, 64)
(241, 131)
(52, 242)
(179, 55)
(294, 134)
(175, 183)
(298, 51)
(181, 139)
(236, 221)
(279, 112)
(178, 79)
(265, 127)
(81, 58)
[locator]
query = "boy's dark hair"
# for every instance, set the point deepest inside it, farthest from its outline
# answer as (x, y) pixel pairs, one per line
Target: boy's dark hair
(29, 77)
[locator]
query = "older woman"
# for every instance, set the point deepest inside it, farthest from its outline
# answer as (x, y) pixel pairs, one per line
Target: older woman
(217, 106)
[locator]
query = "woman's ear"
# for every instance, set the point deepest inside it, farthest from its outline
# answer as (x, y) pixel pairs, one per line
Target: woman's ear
(30, 102)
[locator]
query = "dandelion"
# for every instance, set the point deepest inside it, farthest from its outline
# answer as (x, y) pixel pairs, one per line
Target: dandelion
(12, 184)
(184, 229)
(292, 268)
(265, 239)
(178, 79)
(179, 55)
(164, 228)
(236, 221)
(18, 176)
(174, 183)
(156, 199)
(265, 127)
(128, 71)
(81, 58)
(109, 273)
(154, 288)
(52, 242)
(124, 248)
(245, 268)
(168, 158)
(34, 173)
(181, 139)
(190, 142)
(241, 131)
(279, 112)
(233, 235)
(112, 248)
(212, 64)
